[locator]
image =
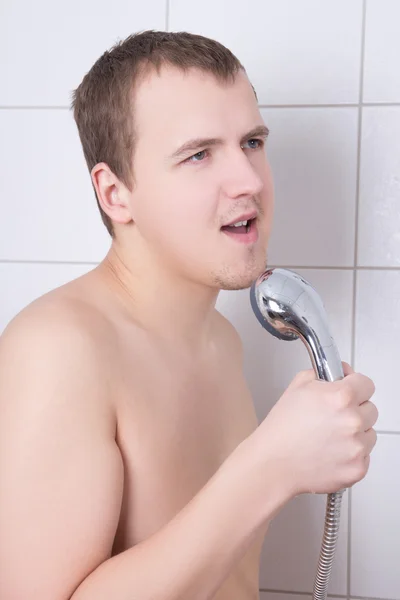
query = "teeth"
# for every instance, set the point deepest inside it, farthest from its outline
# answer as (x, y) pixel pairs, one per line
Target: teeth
(240, 223)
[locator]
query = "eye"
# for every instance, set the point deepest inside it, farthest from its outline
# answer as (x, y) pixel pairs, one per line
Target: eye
(259, 143)
(198, 157)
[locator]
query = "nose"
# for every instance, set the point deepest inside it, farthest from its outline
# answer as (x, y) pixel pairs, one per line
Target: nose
(241, 178)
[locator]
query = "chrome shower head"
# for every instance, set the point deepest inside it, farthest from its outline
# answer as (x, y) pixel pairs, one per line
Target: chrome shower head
(288, 307)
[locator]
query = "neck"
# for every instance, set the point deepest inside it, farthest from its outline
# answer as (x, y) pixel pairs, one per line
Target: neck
(174, 309)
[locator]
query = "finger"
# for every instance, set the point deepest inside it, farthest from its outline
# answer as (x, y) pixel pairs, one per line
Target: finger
(369, 414)
(362, 388)
(303, 377)
(347, 369)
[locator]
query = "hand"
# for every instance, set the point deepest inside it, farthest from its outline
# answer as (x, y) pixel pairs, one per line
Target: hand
(321, 433)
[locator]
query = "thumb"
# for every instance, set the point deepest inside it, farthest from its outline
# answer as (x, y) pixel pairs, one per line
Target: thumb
(347, 369)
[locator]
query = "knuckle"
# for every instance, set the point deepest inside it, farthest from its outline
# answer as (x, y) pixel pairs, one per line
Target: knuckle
(354, 423)
(372, 386)
(358, 452)
(369, 382)
(359, 470)
(303, 377)
(374, 438)
(342, 398)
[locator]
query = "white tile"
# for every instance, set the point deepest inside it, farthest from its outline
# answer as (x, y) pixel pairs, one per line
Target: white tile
(379, 215)
(271, 364)
(292, 546)
(47, 197)
(377, 340)
(21, 283)
(294, 52)
(49, 46)
(375, 540)
(313, 155)
(382, 51)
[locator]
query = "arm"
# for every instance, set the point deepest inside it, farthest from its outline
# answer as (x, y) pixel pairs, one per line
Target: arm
(61, 474)
(62, 483)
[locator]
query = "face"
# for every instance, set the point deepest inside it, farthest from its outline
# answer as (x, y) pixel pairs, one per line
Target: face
(186, 193)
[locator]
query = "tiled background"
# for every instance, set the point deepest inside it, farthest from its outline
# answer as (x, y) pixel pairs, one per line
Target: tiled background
(328, 80)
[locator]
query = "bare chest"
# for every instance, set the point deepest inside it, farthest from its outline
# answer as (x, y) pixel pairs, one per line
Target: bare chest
(173, 437)
(176, 426)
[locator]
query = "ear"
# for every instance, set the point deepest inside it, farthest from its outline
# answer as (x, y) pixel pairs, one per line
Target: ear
(112, 194)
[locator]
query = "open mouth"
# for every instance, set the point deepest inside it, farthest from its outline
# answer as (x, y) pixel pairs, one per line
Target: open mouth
(242, 231)
(239, 227)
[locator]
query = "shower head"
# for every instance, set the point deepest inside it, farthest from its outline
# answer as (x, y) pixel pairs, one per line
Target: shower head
(288, 307)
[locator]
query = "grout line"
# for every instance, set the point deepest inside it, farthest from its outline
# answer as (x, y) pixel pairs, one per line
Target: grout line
(344, 105)
(350, 498)
(359, 138)
(355, 280)
(367, 104)
(370, 598)
(327, 268)
(306, 594)
(167, 16)
(32, 107)
(47, 262)
(294, 267)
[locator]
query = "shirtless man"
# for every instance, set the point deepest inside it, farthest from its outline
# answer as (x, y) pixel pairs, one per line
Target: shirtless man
(132, 466)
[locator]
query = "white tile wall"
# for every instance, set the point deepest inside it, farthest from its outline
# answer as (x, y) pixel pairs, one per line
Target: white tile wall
(378, 340)
(379, 224)
(42, 153)
(292, 546)
(47, 47)
(297, 52)
(21, 283)
(313, 154)
(382, 51)
(375, 539)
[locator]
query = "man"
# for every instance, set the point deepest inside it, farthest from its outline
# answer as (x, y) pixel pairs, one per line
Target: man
(132, 463)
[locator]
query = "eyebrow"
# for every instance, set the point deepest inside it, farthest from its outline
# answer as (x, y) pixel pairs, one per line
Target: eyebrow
(196, 143)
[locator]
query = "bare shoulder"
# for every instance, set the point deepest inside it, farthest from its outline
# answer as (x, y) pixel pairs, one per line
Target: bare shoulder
(59, 324)
(69, 306)
(58, 342)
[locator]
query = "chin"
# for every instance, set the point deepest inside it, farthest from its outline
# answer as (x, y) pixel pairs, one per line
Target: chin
(240, 277)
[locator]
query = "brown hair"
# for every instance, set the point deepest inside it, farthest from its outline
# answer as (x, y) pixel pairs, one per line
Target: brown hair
(102, 103)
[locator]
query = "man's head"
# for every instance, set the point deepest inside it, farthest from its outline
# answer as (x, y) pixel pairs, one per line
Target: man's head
(136, 110)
